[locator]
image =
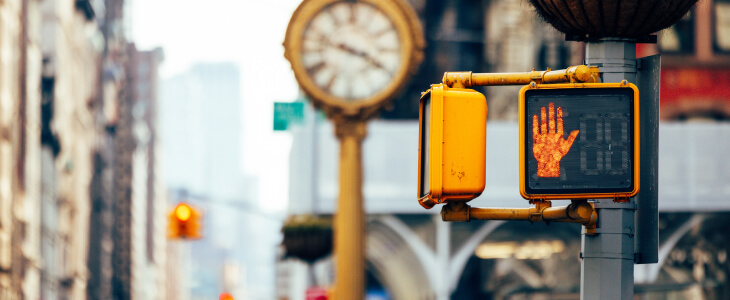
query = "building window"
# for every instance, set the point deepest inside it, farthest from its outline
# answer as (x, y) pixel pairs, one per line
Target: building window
(680, 38)
(722, 26)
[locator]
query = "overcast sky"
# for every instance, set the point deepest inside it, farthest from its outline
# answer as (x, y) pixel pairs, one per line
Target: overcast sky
(249, 33)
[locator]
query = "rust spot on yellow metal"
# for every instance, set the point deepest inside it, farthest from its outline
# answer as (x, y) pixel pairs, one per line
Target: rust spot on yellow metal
(458, 173)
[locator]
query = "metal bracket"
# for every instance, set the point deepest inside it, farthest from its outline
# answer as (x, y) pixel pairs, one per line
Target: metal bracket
(646, 39)
(608, 255)
(622, 199)
(625, 230)
(540, 201)
(613, 205)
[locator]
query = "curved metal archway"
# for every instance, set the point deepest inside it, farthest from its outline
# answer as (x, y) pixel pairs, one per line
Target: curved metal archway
(441, 274)
(395, 263)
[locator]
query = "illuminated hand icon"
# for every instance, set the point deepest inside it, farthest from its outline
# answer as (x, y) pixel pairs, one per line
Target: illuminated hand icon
(548, 144)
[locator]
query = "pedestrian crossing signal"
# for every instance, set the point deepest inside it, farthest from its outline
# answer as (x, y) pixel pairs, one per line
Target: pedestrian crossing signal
(452, 145)
(579, 141)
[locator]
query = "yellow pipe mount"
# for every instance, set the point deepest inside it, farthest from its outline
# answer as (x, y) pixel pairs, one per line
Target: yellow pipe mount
(577, 212)
(580, 73)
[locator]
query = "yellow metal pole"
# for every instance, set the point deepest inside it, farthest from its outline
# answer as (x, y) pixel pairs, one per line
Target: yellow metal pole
(476, 213)
(573, 74)
(350, 217)
(555, 213)
(577, 212)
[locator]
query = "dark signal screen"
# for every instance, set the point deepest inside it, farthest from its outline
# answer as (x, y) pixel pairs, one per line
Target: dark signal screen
(579, 141)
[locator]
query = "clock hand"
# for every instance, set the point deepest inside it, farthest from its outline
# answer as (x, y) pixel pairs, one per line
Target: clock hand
(364, 55)
(375, 63)
(348, 49)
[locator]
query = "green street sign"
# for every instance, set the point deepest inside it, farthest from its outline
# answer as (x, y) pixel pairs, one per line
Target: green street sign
(287, 113)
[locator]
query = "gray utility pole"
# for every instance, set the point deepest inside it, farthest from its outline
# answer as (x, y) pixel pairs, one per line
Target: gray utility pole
(607, 266)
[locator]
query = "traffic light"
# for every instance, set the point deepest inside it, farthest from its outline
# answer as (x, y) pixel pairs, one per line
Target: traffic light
(579, 141)
(452, 145)
(225, 296)
(185, 223)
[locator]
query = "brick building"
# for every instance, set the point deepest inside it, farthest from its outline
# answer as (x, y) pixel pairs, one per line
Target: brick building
(81, 211)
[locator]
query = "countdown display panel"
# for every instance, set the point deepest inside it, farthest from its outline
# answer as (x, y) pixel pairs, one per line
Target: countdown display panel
(579, 142)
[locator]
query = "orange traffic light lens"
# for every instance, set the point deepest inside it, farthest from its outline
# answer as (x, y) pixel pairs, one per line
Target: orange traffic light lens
(183, 212)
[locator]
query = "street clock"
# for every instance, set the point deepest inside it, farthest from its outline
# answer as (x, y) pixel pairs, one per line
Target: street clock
(579, 141)
(351, 57)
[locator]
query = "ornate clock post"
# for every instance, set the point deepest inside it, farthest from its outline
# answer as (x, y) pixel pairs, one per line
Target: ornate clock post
(351, 58)
(349, 223)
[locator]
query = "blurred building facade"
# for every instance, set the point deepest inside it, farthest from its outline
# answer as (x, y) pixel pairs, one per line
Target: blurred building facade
(412, 254)
(144, 190)
(111, 89)
(81, 210)
(20, 172)
(201, 125)
(71, 50)
(483, 36)
(202, 129)
(695, 64)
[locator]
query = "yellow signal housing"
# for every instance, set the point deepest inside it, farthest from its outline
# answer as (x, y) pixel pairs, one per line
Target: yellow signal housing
(452, 145)
(185, 223)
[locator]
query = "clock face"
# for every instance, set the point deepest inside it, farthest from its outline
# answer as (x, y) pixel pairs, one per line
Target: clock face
(351, 50)
(352, 57)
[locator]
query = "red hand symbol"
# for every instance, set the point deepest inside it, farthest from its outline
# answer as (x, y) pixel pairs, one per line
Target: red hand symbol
(548, 144)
